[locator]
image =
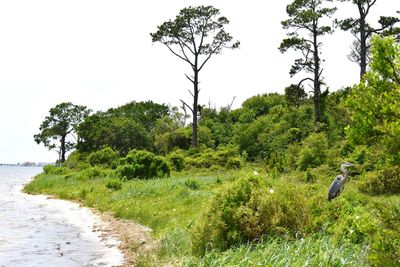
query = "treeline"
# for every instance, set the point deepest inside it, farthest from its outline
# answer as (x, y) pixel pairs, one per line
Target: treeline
(276, 130)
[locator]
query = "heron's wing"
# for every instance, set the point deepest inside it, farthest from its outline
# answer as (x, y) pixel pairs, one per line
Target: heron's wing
(336, 187)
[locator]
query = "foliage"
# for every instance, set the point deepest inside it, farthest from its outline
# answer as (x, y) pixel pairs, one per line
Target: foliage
(122, 129)
(386, 181)
(261, 104)
(51, 169)
(194, 36)
(142, 164)
(317, 250)
(104, 157)
(114, 184)
(58, 127)
(246, 211)
(295, 95)
(313, 152)
(375, 113)
(176, 160)
(363, 31)
(304, 21)
(223, 156)
(169, 141)
(92, 173)
(77, 160)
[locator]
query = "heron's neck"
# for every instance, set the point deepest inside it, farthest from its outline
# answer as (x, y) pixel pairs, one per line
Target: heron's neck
(346, 172)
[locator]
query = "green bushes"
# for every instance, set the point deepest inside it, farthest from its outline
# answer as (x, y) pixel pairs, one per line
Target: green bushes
(224, 157)
(142, 164)
(92, 173)
(385, 181)
(313, 151)
(104, 157)
(51, 169)
(247, 210)
(114, 184)
(177, 160)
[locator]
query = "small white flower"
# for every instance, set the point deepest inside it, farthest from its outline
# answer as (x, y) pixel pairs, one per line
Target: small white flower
(357, 217)
(255, 173)
(271, 191)
(351, 231)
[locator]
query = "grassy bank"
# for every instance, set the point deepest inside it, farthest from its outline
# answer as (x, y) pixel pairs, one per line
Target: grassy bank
(353, 230)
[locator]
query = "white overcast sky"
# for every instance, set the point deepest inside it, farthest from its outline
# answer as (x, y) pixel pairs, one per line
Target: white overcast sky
(99, 54)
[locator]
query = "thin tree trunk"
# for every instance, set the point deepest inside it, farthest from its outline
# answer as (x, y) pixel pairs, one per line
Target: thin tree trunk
(62, 149)
(363, 47)
(195, 106)
(317, 90)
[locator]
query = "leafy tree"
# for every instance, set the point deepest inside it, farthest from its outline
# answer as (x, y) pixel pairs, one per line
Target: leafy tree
(374, 103)
(145, 113)
(119, 133)
(194, 36)
(305, 24)
(123, 128)
(295, 95)
(363, 31)
(59, 125)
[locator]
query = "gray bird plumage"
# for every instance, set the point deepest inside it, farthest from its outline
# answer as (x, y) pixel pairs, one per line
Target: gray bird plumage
(337, 185)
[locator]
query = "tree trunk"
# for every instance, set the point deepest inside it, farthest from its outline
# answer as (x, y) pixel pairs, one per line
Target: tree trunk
(317, 89)
(363, 41)
(62, 148)
(195, 105)
(363, 47)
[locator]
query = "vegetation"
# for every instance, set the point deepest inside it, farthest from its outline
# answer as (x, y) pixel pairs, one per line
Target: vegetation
(253, 191)
(363, 31)
(305, 18)
(60, 126)
(195, 35)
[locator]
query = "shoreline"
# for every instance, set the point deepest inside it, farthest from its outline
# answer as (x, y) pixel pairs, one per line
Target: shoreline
(131, 239)
(134, 239)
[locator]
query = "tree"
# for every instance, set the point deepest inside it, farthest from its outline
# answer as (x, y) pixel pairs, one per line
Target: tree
(363, 31)
(295, 95)
(194, 36)
(304, 21)
(374, 103)
(59, 126)
(123, 128)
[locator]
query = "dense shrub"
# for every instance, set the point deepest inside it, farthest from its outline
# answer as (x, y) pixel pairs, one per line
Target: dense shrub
(104, 157)
(176, 160)
(126, 171)
(92, 173)
(223, 156)
(114, 184)
(385, 181)
(247, 210)
(313, 152)
(52, 169)
(75, 159)
(142, 164)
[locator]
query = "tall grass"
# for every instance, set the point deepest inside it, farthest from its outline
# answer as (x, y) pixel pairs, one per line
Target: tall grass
(316, 250)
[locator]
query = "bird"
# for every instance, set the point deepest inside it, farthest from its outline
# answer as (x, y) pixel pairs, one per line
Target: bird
(337, 185)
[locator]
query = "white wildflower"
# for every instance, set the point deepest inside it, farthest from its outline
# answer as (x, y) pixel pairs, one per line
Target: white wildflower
(351, 231)
(357, 217)
(255, 173)
(271, 191)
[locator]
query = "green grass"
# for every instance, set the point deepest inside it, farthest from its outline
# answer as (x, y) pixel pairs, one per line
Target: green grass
(353, 230)
(162, 204)
(316, 250)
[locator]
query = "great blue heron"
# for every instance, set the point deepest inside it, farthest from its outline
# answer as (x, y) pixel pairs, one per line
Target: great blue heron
(337, 185)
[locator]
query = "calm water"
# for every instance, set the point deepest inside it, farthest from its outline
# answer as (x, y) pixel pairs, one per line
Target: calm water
(36, 231)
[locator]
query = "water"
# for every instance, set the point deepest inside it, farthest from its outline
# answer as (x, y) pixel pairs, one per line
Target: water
(37, 231)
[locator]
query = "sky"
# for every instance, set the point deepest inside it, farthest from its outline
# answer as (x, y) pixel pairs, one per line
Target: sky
(99, 54)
